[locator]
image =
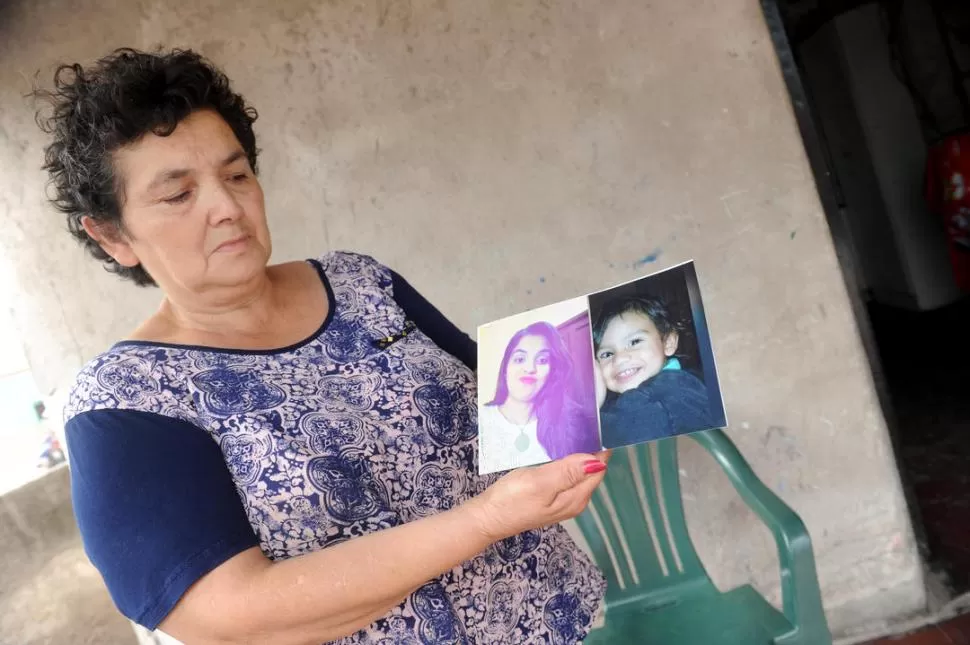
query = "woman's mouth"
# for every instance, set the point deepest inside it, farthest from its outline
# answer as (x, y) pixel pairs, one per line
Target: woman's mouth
(528, 380)
(233, 244)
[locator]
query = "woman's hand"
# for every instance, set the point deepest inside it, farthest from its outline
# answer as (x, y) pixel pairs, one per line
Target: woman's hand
(535, 497)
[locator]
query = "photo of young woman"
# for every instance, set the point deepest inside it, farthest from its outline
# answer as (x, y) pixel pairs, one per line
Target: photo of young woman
(542, 407)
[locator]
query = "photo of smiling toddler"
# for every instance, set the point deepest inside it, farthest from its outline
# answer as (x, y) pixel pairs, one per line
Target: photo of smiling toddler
(654, 368)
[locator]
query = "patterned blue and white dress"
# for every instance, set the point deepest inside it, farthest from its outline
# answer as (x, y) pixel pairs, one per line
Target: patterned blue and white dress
(333, 438)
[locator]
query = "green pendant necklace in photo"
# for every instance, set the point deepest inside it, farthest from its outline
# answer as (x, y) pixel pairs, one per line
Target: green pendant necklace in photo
(522, 441)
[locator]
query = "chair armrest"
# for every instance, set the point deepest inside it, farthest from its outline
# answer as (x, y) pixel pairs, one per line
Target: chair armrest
(799, 580)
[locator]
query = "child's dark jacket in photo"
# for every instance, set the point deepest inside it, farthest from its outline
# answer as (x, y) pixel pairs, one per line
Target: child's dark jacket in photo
(670, 403)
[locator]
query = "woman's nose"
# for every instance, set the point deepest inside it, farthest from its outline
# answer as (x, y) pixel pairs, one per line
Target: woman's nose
(225, 206)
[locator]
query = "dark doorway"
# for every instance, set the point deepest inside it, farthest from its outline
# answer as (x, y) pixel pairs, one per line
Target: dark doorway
(876, 86)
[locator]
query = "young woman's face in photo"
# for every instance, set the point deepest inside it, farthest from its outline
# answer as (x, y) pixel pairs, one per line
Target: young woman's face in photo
(632, 351)
(528, 368)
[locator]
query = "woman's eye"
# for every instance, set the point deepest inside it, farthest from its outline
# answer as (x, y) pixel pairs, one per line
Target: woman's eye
(605, 355)
(542, 360)
(240, 177)
(178, 199)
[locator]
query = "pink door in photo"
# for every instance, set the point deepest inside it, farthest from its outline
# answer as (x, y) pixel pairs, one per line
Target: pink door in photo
(575, 333)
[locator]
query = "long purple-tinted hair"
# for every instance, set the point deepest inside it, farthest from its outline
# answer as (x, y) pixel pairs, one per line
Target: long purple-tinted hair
(563, 426)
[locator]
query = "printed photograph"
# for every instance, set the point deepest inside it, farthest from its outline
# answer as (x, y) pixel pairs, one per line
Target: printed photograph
(536, 387)
(654, 373)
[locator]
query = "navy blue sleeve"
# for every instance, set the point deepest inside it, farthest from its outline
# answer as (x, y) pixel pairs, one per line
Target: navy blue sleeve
(155, 504)
(433, 323)
(672, 402)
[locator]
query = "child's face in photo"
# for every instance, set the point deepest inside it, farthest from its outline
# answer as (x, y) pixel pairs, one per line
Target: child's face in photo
(632, 350)
(528, 368)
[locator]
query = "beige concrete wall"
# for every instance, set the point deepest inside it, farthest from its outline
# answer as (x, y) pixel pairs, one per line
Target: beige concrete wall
(35, 518)
(504, 155)
(49, 592)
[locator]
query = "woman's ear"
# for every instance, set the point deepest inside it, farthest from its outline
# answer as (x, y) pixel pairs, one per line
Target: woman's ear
(111, 239)
(671, 341)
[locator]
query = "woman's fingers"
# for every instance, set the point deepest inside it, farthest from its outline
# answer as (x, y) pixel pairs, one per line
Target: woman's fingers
(540, 495)
(574, 501)
(569, 472)
(576, 489)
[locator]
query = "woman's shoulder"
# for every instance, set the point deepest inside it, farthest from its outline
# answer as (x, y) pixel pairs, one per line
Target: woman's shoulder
(351, 271)
(133, 376)
(351, 263)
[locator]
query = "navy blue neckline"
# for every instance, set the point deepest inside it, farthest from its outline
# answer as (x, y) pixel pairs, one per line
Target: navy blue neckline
(331, 309)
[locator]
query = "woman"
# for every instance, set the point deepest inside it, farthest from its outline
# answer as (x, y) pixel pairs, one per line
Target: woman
(282, 454)
(534, 416)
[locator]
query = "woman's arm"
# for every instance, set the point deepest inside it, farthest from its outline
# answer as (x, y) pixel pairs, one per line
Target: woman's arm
(335, 592)
(326, 594)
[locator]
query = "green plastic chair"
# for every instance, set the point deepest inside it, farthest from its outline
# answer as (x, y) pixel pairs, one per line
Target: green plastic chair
(658, 590)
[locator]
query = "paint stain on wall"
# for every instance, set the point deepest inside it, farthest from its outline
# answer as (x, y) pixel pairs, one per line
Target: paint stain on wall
(780, 438)
(649, 258)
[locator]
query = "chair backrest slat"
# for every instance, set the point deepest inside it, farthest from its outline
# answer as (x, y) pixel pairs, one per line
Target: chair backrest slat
(689, 563)
(649, 466)
(594, 530)
(636, 529)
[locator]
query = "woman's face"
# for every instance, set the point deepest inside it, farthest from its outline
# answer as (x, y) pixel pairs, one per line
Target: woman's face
(192, 208)
(528, 368)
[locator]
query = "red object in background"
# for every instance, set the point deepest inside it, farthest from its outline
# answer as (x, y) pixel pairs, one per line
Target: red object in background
(948, 194)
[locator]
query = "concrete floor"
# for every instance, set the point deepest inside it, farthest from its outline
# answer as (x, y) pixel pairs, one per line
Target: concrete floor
(955, 631)
(62, 601)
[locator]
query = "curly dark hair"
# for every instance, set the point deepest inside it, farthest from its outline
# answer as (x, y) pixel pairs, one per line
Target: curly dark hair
(115, 102)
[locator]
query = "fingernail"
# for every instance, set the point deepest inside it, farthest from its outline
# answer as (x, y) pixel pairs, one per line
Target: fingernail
(593, 466)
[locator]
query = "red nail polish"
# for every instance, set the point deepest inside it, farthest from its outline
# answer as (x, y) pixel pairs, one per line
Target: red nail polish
(593, 466)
